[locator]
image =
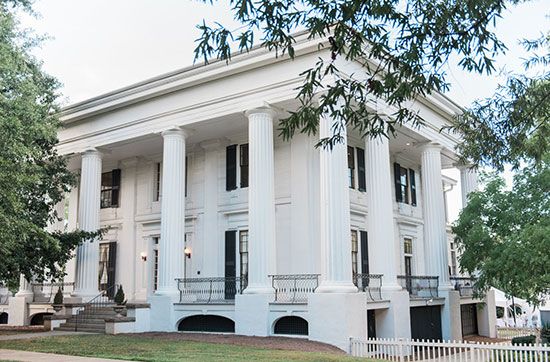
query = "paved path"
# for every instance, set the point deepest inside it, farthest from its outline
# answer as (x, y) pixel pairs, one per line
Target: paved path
(10, 337)
(6, 354)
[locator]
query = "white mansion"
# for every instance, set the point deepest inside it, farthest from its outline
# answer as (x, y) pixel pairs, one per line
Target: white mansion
(215, 223)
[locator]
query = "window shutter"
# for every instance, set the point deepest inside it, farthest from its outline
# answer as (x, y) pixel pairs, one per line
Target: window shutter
(115, 192)
(230, 263)
(361, 169)
(111, 269)
(244, 165)
(186, 168)
(231, 168)
(364, 252)
(397, 181)
(413, 187)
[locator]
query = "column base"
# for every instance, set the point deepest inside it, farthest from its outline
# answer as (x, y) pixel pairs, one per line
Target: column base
(259, 289)
(335, 317)
(486, 316)
(18, 314)
(162, 313)
(395, 321)
(252, 314)
(336, 287)
(451, 328)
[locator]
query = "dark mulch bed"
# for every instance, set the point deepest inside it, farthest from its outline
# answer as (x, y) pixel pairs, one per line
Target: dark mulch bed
(283, 343)
(6, 330)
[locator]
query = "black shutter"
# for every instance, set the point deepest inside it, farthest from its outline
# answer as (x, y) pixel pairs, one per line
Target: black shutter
(186, 167)
(230, 263)
(111, 270)
(364, 252)
(397, 181)
(115, 192)
(244, 165)
(361, 169)
(413, 187)
(231, 167)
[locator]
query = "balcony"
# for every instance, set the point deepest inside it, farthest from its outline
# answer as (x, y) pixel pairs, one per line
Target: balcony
(370, 284)
(294, 288)
(420, 287)
(45, 292)
(464, 285)
(218, 290)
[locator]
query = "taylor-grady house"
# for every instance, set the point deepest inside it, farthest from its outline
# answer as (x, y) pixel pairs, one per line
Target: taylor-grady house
(215, 223)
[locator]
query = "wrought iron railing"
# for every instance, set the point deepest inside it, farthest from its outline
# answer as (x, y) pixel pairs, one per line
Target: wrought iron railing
(95, 306)
(294, 288)
(45, 292)
(210, 290)
(4, 298)
(369, 283)
(420, 286)
(464, 285)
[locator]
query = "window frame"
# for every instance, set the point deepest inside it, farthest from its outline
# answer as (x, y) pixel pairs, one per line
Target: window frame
(408, 255)
(354, 253)
(113, 190)
(242, 253)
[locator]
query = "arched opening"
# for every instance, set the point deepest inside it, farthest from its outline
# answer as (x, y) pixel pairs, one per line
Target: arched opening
(38, 319)
(4, 318)
(207, 323)
(291, 325)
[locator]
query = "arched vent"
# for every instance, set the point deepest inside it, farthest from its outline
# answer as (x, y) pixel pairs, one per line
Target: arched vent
(207, 323)
(38, 319)
(291, 325)
(4, 318)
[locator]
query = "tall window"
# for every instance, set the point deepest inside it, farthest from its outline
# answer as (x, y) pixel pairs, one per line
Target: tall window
(155, 263)
(236, 171)
(351, 167)
(405, 184)
(110, 189)
(243, 251)
(354, 252)
(157, 182)
(408, 254)
(356, 168)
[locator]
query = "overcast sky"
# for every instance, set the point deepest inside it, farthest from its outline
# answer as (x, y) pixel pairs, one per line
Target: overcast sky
(101, 45)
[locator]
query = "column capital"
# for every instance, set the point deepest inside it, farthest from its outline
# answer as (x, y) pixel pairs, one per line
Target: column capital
(261, 110)
(465, 166)
(93, 152)
(431, 147)
(176, 131)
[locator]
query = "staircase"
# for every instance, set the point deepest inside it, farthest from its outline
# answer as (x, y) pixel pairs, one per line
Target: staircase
(90, 319)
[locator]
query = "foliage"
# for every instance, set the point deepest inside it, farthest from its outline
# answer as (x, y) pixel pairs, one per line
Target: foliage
(525, 340)
(34, 178)
(545, 333)
(504, 235)
(513, 126)
(404, 47)
(120, 297)
(58, 298)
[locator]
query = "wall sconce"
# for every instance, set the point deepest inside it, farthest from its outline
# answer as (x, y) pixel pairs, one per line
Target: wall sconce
(187, 252)
(143, 256)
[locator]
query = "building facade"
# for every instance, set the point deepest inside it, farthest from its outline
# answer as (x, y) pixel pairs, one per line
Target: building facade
(214, 222)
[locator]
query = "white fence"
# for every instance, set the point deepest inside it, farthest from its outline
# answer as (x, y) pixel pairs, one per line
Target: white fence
(429, 351)
(511, 332)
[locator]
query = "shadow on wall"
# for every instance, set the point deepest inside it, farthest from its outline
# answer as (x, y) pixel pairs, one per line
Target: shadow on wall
(38, 319)
(207, 323)
(291, 325)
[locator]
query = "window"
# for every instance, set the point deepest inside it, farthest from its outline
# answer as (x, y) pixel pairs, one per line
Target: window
(155, 263)
(356, 168)
(454, 263)
(405, 184)
(354, 252)
(157, 182)
(243, 251)
(236, 168)
(110, 188)
(408, 253)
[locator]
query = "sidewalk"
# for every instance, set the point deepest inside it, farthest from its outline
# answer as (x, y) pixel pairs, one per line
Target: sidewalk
(10, 355)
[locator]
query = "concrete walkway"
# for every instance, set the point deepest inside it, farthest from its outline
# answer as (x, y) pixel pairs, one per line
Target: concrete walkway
(10, 337)
(10, 355)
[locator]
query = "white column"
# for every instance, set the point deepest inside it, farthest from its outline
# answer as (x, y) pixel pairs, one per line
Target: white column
(380, 211)
(435, 233)
(261, 201)
(25, 288)
(172, 229)
(335, 214)
(87, 255)
(468, 182)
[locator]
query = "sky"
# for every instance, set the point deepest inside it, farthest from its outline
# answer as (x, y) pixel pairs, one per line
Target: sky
(101, 45)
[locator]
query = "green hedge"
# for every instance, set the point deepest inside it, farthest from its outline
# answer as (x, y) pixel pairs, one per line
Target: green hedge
(529, 340)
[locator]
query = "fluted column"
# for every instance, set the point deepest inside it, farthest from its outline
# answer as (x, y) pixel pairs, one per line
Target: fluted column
(172, 224)
(468, 182)
(380, 211)
(435, 234)
(335, 214)
(87, 255)
(261, 201)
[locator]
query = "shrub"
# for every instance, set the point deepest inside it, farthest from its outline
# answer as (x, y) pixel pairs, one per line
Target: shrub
(528, 340)
(58, 298)
(545, 333)
(119, 297)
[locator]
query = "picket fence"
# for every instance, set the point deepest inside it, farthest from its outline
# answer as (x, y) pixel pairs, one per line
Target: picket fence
(512, 332)
(401, 350)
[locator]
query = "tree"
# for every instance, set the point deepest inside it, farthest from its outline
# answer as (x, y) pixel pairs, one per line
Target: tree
(33, 177)
(504, 236)
(403, 46)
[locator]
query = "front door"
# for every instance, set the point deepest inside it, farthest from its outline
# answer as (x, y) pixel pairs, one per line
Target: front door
(426, 322)
(107, 268)
(468, 316)
(230, 263)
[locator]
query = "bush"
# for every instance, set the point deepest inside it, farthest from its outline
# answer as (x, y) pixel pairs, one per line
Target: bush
(119, 297)
(528, 340)
(545, 333)
(58, 298)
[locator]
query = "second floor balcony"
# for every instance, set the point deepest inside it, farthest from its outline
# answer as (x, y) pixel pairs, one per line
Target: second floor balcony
(420, 286)
(464, 285)
(371, 284)
(217, 290)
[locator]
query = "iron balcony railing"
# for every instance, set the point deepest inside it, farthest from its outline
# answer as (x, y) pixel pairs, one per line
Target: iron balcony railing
(371, 284)
(294, 288)
(45, 292)
(464, 285)
(423, 287)
(210, 290)
(4, 298)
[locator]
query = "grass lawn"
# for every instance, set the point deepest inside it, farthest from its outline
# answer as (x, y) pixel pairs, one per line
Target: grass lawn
(141, 348)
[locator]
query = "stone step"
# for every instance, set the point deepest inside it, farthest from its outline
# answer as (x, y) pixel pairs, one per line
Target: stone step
(80, 329)
(95, 315)
(86, 321)
(87, 325)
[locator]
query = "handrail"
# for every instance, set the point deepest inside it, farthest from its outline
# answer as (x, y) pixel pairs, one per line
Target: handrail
(88, 309)
(420, 286)
(294, 288)
(210, 290)
(369, 283)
